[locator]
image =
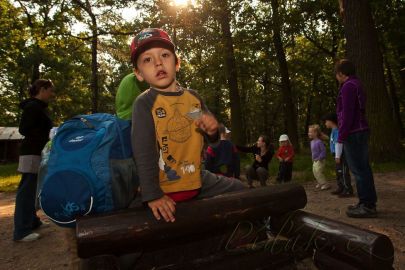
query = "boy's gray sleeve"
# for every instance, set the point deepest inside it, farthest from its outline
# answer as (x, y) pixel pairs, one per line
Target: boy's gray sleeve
(144, 148)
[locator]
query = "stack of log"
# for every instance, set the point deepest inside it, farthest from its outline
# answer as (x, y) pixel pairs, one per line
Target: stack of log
(229, 232)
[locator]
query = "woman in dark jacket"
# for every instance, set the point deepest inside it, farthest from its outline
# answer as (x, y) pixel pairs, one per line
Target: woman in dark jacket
(35, 126)
(263, 152)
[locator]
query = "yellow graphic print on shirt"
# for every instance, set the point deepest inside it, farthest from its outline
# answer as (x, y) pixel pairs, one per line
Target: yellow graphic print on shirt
(180, 144)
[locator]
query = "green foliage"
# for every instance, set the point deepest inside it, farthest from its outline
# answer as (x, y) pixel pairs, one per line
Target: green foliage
(37, 40)
(9, 177)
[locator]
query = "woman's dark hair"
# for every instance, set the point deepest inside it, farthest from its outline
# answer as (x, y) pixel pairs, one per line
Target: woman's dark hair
(266, 140)
(346, 67)
(33, 90)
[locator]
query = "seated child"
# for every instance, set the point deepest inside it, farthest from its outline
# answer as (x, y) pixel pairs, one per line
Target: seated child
(223, 158)
(285, 155)
(169, 124)
(318, 157)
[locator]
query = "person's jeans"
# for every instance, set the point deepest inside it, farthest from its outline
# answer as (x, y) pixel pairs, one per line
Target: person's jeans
(260, 174)
(356, 150)
(25, 217)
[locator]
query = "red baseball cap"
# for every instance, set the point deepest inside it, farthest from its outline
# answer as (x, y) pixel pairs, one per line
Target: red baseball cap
(146, 36)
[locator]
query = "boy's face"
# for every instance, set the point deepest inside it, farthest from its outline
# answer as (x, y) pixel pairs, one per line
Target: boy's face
(330, 124)
(157, 66)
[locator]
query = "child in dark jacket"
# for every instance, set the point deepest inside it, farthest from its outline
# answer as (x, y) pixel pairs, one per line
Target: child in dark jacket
(223, 158)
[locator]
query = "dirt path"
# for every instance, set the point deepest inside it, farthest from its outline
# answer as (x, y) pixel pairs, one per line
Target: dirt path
(55, 251)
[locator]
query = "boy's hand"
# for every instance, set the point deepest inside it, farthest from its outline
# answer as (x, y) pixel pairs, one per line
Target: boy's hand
(258, 158)
(165, 206)
(337, 160)
(280, 159)
(207, 123)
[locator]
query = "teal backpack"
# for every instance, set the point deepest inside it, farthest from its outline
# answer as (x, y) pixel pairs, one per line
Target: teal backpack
(90, 169)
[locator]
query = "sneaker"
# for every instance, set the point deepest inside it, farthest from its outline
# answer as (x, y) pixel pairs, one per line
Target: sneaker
(30, 237)
(362, 212)
(354, 206)
(337, 191)
(325, 187)
(346, 194)
(318, 186)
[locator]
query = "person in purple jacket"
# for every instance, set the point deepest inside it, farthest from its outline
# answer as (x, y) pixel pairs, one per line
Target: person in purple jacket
(354, 134)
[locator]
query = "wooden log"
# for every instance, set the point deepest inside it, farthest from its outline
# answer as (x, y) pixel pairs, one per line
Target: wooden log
(325, 262)
(360, 248)
(134, 230)
(257, 257)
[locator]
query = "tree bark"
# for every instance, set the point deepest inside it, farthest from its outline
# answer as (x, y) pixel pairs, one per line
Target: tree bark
(363, 51)
(289, 107)
(231, 73)
(86, 7)
(394, 99)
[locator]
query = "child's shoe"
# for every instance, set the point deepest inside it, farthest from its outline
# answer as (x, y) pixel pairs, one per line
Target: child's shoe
(325, 187)
(318, 186)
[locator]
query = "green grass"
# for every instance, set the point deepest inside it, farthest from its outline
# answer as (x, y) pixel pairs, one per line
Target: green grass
(302, 167)
(390, 166)
(9, 177)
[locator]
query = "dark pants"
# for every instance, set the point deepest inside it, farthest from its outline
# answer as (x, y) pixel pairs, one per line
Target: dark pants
(356, 150)
(260, 174)
(284, 172)
(343, 179)
(25, 217)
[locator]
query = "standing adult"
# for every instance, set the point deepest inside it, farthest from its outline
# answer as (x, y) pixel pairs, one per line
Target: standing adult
(35, 126)
(263, 152)
(354, 134)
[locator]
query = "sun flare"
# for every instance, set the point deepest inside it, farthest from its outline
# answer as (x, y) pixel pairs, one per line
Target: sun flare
(180, 2)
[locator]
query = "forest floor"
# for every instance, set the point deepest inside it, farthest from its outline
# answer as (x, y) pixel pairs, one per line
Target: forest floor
(56, 248)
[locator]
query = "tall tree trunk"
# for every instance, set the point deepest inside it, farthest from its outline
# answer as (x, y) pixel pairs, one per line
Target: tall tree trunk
(266, 123)
(94, 68)
(289, 107)
(231, 73)
(394, 99)
(86, 7)
(35, 71)
(363, 50)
